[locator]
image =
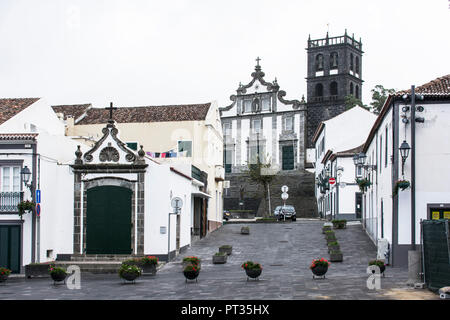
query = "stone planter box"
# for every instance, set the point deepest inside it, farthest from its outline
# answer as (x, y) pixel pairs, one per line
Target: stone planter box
(148, 269)
(336, 256)
(330, 239)
(226, 249)
(37, 270)
(219, 259)
(327, 228)
(245, 230)
(334, 248)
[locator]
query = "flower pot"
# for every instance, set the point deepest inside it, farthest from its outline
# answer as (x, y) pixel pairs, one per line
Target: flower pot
(219, 259)
(187, 263)
(3, 277)
(129, 276)
(148, 269)
(226, 250)
(253, 273)
(319, 271)
(58, 277)
(191, 275)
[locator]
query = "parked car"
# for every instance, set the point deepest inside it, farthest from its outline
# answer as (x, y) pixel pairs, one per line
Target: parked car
(288, 212)
(226, 215)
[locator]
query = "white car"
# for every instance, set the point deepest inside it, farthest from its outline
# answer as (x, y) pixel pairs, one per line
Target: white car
(288, 212)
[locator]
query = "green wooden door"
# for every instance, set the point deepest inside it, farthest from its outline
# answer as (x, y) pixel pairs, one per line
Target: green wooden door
(288, 157)
(108, 220)
(10, 240)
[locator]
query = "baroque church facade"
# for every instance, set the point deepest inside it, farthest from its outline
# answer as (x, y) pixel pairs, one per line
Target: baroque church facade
(261, 122)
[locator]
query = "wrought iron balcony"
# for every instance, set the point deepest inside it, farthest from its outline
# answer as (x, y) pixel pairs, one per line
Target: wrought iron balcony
(9, 201)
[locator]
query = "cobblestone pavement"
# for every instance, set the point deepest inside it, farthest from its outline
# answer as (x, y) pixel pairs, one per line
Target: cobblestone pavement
(285, 251)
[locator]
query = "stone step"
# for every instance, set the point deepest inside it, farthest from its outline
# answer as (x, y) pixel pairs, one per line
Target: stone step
(103, 257)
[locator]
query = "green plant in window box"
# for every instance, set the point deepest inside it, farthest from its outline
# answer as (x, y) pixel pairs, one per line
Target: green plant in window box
(402, 185)
(25, 207)
(363, 184)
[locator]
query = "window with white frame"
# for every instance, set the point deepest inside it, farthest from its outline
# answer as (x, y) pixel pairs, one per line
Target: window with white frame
(10, 177)
(247, 106)
(288, 124)
(265, 103)
(227, 129)
(257, 126)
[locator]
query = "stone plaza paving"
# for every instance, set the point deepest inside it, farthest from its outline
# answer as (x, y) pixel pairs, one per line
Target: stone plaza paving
(285, 251)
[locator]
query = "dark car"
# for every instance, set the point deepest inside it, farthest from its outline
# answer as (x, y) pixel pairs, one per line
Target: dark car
(285, 212)
(226, 215)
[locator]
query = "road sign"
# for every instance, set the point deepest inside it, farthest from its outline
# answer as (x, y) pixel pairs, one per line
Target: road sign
(284, 196)
(284, 189)
(38, 209)
(38, 196)
(176, 203)
(342, 184)
(332, 181)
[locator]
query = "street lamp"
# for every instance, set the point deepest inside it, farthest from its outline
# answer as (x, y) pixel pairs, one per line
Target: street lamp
(26, 174)
(404, 152)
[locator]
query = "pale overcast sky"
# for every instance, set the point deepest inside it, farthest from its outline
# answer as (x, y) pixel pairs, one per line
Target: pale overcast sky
(149, 52)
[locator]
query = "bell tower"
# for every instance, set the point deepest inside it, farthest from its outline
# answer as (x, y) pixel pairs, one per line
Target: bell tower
(334, 71)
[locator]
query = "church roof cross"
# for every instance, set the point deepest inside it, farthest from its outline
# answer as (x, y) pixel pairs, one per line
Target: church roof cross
(111, 108)
(258, 59)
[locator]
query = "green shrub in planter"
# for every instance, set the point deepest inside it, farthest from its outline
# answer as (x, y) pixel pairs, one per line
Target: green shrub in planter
(129, 272)
(339, 224)
(220, 257)
(333, 246)
(326, 228)
(226, 249)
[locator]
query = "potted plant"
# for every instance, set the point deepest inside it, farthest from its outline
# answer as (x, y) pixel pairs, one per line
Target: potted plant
(129, 272)
(330, 236)
(58, 274)
(219, 258)
(191, 260)
(191, 272)
(333, 246)
(363, 184)
(252, 269)
(245, 230)
(336, 256)
(402, 185)
(319, 267)
(4, 273)
(149, 264)
(380, 264)
(226, 249)
(25, 207)
(339, 224)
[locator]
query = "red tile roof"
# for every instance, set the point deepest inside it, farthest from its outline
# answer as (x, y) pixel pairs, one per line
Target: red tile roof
(437, 86)
(10, 107)
(73, 110)
(191, 112)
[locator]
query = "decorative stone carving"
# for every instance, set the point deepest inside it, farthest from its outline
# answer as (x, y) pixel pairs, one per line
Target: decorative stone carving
(109, 154)
(78, 154)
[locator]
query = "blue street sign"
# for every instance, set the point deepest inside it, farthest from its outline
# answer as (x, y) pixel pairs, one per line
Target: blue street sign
(38, 196)
(38, 209)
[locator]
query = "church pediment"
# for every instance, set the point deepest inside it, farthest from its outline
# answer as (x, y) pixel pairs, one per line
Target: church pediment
(252, 97)
(109, 149)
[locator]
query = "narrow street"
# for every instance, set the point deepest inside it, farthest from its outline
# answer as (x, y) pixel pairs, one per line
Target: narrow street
(285, 251)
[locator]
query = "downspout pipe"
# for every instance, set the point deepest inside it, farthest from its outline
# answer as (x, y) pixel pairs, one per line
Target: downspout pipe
(413, 168)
